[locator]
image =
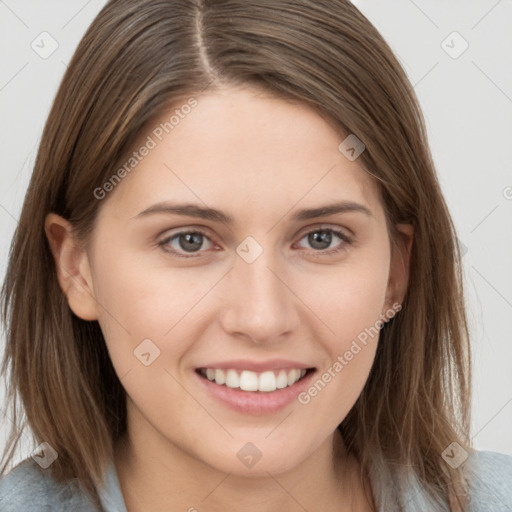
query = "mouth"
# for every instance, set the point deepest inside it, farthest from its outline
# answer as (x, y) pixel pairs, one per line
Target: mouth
(268, 381)
(254, 388)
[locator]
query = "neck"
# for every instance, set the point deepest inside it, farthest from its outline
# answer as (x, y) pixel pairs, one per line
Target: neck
(154, 473)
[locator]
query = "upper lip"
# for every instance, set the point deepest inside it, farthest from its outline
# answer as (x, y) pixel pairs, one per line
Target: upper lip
(257, 366)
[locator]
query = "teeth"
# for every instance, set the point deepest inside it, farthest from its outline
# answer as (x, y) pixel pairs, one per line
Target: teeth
(267, 382)
(232, 379)
(293, 376)
(282, 380)
(251, 381)
(248, 381)
(220, 378)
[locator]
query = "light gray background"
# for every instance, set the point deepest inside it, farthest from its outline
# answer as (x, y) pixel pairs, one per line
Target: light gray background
(467, 102)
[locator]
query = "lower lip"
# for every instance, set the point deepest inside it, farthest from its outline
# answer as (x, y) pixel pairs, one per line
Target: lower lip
(256, 402)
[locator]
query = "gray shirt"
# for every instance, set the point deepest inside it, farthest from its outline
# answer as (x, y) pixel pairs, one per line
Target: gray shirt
(29, 488)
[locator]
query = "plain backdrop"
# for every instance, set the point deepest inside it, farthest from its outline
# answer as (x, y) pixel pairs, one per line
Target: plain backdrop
(457, 55)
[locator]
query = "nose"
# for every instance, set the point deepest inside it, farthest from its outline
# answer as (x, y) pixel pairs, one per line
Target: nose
(258, 303)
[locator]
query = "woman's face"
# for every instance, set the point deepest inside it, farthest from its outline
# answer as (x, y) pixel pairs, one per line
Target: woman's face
(269, 290)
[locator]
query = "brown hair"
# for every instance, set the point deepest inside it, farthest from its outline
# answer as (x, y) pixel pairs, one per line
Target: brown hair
(136, 59)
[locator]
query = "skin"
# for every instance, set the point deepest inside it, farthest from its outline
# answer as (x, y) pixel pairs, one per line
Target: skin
(260, 159)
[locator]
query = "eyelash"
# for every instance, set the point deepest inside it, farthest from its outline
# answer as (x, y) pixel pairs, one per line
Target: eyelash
(320, 252)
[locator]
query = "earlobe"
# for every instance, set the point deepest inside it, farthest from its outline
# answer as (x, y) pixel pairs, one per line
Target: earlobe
(399, 267)
(72, 267)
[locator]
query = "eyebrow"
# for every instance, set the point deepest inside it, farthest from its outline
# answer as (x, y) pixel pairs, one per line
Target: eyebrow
(195, 210)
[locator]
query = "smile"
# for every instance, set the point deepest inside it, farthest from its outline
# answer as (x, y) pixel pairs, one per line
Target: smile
(254, 387)
(246, 380)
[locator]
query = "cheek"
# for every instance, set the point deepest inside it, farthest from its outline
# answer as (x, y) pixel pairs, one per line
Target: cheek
(350, 304)
(149, 301)
(144, 315)
(350, 298)
(138, 301)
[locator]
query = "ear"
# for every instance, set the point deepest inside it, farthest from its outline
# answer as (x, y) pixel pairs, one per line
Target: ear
(399, 266)
(72, 265)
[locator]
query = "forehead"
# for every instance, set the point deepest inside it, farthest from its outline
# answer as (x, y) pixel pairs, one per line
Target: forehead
(244, 150)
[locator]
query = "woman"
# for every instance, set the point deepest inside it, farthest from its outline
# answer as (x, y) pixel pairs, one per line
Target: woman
(204, 166)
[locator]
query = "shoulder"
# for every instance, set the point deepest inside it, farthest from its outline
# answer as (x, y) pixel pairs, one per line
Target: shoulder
(31, 488)
(489, 486)
(490, 479)
(24, 486)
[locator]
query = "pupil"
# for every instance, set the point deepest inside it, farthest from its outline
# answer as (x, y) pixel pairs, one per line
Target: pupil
(322, 237)
(193, 239)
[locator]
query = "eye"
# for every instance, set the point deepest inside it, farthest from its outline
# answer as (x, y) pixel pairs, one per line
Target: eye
(185, 241)
(321, 238)
(188, 244)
